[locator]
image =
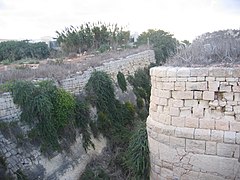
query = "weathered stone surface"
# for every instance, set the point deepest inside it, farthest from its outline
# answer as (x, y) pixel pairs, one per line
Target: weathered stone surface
(217, 135)
(182, 94)
(191, 122)
(222, 125)
(211, 147)
(180, 86)
(207, 123)
(199, 72)
(196, 86)
(229, 137)
(226, 167)
(208, 95)
(195, 146)
(202, 134)
(198, 112)
(213, 85)
(184, 132)
(228, 150)
(177, 142)
(206, 145)
(178, 121)
(183, 72)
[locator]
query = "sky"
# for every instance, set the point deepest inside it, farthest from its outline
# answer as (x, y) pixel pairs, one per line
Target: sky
(185, 19)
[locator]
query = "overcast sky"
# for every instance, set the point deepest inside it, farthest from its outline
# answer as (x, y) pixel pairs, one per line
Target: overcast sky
(186, 19)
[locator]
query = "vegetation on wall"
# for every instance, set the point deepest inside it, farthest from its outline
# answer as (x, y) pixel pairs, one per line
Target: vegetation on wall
(137, 155)
(83, 121)
(49, 110)
(114, 118)
(54, 114)
(118, 122)
(142, 89)
(15, 50)
(122, 81)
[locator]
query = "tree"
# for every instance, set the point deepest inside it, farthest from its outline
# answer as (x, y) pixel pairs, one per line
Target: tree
(16, 50)
(98, 36)
(163, 43)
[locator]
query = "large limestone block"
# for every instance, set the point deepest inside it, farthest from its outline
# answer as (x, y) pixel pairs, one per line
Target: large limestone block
(202, 134)
(184, 132)
(228, 150)
(183, 72)
(196, 86)
(195, 146)
(226, 167)
(182, 94)
(199, 72)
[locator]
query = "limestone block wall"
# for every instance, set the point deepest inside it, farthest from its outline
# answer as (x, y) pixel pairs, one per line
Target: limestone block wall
(75, 84)
(126, 65)
(194, 123)
(62, 165)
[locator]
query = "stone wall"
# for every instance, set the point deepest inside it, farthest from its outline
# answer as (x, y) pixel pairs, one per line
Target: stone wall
(77, 82)
(62, 165)
(194, 123)
(126, 65)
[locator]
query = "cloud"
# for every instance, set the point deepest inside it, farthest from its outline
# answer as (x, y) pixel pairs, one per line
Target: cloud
(185, 18)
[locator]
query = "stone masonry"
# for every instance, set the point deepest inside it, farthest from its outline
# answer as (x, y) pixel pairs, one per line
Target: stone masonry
(62, 165)
(194, 123)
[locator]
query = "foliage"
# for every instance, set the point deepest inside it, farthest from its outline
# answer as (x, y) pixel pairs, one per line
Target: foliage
(97, 36)
(219, 48)
(163, 43)
(137, 156)
(3, 163)
(117, 122)
(4, 174)
(16, 50)
(20, 175)
(83, 120)
(98, 174)
(141, 87)
(122, 81)
(48, 109)
(114, 119)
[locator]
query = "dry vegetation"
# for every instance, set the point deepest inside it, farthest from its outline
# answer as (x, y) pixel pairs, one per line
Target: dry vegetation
(221, 48)
(62, 68)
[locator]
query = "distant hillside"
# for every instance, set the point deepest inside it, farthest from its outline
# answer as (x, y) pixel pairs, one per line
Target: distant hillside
(220, 48)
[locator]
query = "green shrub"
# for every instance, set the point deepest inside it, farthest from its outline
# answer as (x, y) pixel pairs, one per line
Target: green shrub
(50, 111)
(98, 174)
(83, 120)
(20, 175)
(137, 156)
(122, 81)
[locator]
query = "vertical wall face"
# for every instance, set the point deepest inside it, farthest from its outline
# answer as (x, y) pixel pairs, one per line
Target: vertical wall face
(61, 166)
(194, 123)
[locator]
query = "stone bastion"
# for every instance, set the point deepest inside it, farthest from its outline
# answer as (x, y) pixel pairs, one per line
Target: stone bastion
(194, 123)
